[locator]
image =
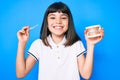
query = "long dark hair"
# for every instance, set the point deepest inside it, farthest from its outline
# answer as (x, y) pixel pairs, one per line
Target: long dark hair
(71, 34)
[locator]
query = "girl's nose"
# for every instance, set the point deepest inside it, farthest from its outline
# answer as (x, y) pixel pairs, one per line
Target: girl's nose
(58, 21)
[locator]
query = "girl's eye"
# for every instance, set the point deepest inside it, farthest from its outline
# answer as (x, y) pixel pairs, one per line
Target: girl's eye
(52, 17)
(64, 17)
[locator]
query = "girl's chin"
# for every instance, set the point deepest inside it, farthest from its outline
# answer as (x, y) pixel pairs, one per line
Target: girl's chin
(58, 34)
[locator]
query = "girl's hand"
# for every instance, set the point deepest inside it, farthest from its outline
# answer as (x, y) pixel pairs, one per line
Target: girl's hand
(94, 40)
(23, 34)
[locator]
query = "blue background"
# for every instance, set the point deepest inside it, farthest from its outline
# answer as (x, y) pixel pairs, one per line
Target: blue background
(14, 14)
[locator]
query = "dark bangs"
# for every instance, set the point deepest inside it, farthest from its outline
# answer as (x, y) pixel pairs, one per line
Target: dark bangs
(58, 7)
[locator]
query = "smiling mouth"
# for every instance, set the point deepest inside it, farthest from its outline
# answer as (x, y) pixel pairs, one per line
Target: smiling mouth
(58, 27)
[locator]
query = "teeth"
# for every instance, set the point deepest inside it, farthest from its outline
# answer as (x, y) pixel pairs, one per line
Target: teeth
(58, 27)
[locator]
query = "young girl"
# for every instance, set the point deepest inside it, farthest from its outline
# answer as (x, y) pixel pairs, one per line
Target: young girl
(59, 49)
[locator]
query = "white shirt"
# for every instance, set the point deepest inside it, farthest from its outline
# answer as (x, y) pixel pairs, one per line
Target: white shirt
(58, 62)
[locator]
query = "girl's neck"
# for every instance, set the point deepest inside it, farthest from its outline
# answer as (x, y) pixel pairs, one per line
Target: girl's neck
(57, 39)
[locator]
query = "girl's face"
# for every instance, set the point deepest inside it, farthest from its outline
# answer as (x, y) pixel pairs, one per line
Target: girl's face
(57, 23)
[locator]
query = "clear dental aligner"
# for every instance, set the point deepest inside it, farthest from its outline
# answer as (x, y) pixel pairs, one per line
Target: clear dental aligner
(33, 27)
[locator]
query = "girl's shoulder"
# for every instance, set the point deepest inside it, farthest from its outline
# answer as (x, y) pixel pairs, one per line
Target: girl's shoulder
(78, 42)
(37, 41)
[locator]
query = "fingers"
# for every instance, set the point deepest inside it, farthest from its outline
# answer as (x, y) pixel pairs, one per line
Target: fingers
(102, 32)
(85, 34)
(24, 30)
(85, 31)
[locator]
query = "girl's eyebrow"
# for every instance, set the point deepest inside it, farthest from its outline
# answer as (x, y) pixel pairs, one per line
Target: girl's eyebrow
(52, 14)
(64, 14)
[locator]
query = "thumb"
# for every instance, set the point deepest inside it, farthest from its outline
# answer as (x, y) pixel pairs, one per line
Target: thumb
(27, 30)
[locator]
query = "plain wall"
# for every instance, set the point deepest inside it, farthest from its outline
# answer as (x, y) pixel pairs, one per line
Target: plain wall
(14, 14)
